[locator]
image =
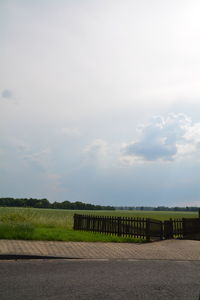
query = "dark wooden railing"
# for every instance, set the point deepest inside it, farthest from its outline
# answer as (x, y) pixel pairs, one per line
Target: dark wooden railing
(185, 228)
(177, 227)
(145, 228)
(191, 228)
(122, 226)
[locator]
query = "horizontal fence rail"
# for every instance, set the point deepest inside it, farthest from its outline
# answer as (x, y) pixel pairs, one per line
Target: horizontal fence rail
(145, 228)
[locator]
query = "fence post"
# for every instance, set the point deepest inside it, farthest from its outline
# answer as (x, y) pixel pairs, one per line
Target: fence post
(168, 229)
(148, 230)
(75, 221)
(184, 230)
(119, 226)
(171, 228)
(161, 230)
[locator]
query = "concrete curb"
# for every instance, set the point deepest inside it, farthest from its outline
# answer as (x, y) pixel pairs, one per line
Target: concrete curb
(29, 256)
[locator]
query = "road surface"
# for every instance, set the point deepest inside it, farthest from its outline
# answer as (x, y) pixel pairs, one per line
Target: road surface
(99, 279)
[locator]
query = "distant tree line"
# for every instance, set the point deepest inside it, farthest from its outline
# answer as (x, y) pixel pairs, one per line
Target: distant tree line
(44, 203)
(158, 208)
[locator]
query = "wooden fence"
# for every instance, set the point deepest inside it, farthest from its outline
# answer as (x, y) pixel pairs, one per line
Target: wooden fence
(145, 228)
(122, 226)
(184, 228)
(173, 229)
(191, 228)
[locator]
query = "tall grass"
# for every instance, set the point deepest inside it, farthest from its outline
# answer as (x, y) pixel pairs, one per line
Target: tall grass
(37, 216)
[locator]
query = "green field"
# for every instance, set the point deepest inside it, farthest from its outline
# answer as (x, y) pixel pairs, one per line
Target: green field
(52, 224)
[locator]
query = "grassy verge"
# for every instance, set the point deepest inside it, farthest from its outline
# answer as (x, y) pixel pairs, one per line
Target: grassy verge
(30, 232)
(56, 225)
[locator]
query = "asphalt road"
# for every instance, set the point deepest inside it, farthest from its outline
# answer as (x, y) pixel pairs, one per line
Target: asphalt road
(77, 279)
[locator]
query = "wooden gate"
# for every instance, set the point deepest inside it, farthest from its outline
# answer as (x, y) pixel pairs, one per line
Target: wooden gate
(154, 229)
(168, 229)
(191, 228)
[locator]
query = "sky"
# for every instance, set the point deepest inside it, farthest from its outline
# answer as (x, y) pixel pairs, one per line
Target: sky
(100, 101)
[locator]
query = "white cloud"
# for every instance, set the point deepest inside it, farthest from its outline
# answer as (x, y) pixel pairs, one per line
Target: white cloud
(97, 148)
(97, 152)
(7, 94)
(38, 160)
(21, 145)
(54, 182)
(71, 132)
(193, 134)
(164, 139)
(25, 151)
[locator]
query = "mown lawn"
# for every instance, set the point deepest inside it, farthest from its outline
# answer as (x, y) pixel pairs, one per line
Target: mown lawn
(57, 225)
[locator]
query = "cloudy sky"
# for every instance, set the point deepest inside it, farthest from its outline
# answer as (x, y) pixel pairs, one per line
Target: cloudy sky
(100, 101)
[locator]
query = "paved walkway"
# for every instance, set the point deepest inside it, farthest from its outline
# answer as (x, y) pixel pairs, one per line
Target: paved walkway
(165, 250)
